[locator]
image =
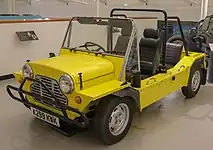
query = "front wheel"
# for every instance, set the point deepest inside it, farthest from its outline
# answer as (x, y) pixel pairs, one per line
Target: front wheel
(194, 83)
(112, 120)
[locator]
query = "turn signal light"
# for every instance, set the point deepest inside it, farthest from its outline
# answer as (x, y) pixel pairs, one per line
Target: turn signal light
(78, 100)
(21, 80)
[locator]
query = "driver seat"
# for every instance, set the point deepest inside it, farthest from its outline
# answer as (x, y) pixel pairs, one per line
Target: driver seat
(122, 42)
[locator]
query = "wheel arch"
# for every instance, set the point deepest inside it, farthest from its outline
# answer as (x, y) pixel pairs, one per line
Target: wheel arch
(131, 94)
(203, 64)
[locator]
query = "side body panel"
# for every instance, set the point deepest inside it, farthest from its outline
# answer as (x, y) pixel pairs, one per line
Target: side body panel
(18, 76)
(160, 85)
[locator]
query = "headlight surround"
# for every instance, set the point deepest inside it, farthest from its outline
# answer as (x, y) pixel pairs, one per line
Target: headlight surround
(66, 84)
(27, 71)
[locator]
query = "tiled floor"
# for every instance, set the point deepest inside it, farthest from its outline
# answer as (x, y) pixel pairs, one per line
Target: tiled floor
(171, 124)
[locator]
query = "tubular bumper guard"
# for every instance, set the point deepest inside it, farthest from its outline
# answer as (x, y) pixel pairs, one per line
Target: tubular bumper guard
(63, 108)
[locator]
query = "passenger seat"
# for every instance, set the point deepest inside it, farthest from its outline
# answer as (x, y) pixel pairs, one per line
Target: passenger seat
(149, 52)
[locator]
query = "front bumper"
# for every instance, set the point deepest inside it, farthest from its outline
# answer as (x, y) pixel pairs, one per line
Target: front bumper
(81, 122)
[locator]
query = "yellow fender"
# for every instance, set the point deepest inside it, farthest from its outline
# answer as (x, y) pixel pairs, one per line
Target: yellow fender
(104, 89)
(18, 76)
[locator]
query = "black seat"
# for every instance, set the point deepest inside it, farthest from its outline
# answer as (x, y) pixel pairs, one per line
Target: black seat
(150, 33)
(122, 42)
(149, 52)
(173, 53)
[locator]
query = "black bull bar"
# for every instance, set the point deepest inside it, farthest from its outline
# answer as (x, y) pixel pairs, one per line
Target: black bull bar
(83, 121)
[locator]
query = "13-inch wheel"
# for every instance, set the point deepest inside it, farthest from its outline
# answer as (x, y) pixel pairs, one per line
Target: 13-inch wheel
(194, 83)
(112, 120)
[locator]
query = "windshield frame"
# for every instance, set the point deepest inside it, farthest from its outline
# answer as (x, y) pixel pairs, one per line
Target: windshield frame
(134, 33)
(67, 38)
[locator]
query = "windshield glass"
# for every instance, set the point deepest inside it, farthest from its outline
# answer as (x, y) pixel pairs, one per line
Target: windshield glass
(109, 35)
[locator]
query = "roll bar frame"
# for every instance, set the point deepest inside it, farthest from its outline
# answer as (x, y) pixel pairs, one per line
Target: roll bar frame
(112, 13)
(165, 27)
(181, 32)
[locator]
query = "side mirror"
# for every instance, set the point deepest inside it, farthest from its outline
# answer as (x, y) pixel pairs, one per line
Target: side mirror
(136, 79)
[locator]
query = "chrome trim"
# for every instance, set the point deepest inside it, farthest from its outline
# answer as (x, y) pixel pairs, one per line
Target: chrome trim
(119, 119)
(138, 49)
(53, 86)
(134, 31)
(66, 34)
(71, 83)
(29, 67)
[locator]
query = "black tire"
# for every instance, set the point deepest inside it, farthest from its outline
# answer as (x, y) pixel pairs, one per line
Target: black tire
(102, 117)
(188, 91)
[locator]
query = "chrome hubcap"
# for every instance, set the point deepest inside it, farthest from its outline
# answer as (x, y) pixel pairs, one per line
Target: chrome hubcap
(195, 81)
(119, 119)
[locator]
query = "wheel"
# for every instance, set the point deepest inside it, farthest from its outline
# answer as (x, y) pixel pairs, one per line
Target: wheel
(112, 120)
(194, 83)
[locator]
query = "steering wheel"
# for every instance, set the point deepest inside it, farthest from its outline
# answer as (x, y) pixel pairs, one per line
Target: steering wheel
(90, 44)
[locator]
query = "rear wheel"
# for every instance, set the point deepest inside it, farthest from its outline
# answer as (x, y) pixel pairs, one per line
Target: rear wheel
(194, 83)
(112, 120)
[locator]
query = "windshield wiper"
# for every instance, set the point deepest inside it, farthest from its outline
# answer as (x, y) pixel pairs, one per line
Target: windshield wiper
(74, 48)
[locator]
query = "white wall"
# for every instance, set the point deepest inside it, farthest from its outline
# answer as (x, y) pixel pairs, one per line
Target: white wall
(60, 9)
(3, 6)
(51, 8)
(14, 52)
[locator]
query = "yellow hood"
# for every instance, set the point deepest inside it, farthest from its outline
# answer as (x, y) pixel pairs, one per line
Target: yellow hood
(90, 66)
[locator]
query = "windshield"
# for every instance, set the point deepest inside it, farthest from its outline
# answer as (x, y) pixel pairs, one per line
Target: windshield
(109, 35)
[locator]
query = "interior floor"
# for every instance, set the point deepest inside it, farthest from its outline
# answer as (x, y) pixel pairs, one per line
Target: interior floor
(172, 123)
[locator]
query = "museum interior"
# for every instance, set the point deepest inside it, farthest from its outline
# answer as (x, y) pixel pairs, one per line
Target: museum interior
(106, 74)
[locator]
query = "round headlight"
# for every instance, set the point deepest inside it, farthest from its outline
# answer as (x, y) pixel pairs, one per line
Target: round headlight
(27, 71)
(66, 84)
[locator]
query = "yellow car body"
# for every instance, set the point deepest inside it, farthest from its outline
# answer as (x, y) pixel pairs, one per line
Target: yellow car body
(100, 83)
(98, 73)
(102, 72)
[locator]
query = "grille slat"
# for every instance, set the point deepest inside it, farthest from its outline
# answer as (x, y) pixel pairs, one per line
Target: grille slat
(53, 86)
(58, 95)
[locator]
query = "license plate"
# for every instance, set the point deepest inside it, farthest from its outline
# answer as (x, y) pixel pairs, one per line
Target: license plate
(45, 117)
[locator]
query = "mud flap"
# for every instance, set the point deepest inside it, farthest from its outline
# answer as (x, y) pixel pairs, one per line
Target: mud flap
(204, 70)
(204, 76)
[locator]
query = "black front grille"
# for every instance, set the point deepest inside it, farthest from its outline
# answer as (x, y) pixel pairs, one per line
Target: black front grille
(53, 86)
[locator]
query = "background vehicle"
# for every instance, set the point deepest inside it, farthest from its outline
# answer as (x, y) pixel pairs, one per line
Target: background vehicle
(199, 38)
(103, 77)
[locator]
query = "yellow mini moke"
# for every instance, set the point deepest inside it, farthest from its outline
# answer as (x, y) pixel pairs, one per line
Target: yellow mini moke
(105, 72)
